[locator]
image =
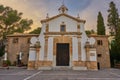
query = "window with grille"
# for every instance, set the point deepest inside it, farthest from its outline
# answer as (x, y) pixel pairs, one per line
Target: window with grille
(99, 42)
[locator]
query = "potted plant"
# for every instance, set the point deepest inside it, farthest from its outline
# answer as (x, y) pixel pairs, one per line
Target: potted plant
(6, 63)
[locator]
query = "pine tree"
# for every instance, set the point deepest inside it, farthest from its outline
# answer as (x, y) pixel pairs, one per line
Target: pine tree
(113, 18)
(11, 21)
(100, 24)
(36, 31)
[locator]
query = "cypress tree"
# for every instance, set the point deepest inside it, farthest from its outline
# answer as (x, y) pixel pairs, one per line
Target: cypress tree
(113, 18)
(100, 24)
(114, 25)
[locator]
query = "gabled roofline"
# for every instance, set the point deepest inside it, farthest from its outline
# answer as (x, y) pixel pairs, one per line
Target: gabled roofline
(63, 14)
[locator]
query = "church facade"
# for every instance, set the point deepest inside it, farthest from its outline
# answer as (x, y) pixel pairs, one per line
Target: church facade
(63, 44)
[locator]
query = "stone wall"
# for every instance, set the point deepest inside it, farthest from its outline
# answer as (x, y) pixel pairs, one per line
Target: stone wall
(102, 48)
(22, 45)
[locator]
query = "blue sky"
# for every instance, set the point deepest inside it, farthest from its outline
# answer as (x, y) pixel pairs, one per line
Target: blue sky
(37, 9)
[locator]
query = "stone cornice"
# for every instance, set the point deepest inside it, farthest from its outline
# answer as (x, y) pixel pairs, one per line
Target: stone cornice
(62, 33)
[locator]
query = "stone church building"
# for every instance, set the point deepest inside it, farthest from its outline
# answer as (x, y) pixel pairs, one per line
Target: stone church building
(63, 44)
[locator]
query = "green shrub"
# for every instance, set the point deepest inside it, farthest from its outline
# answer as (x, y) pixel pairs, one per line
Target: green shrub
(6, 63)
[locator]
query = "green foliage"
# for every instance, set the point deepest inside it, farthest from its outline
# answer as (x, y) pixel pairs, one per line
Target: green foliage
(6, 63)
(24, 25)
(114, 53)
(100, 25)
(89, 32)
(114, 24)
(36, 31)
(10, 22)
(113, 18)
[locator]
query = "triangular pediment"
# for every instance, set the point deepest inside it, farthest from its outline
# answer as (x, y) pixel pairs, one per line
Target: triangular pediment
(63, 14)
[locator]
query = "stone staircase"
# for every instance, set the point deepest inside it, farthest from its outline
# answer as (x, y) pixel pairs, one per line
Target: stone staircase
(61, 68)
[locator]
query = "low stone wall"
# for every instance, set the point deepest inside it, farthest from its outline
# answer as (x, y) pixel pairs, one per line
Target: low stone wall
(45, 63)
(90, 65)
(32, 64)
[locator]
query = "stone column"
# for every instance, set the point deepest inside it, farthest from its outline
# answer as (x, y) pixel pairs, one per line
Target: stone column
(37, 46)
(31, 60)
(79, 48)
(47, 27)
(87, 46)
(37, 58)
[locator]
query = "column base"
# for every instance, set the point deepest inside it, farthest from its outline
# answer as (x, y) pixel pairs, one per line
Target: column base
(31, 65)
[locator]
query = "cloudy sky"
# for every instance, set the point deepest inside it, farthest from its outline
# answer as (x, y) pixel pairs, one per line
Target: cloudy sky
(37, 9)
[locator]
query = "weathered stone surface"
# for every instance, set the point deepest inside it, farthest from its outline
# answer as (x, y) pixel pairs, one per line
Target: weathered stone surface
(103, 50)
(22, 45)
(31, 65)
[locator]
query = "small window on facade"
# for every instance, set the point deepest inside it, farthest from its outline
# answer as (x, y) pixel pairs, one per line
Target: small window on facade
(15, 40)
(28, 40)
(99, 42)
(78, 26)
(62, 28)
(99, 55)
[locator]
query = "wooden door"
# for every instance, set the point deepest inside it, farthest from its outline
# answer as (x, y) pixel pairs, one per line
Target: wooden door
(62, 55)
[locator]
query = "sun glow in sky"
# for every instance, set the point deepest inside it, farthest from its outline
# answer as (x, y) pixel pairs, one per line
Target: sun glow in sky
(37, 9)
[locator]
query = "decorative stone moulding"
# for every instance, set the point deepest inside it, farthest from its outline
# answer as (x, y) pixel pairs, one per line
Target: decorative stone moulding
(37, 44)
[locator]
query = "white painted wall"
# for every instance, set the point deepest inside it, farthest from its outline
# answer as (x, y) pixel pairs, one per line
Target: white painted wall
(42, 41)
(71, 26)
(54, 25)
(50, 49)
(75, 48)
(93, 58)
(32, 55)
(83, 41)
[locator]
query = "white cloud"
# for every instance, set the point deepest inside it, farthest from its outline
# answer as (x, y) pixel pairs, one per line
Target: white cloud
(37, 9)
(29, 11)
(91, 12)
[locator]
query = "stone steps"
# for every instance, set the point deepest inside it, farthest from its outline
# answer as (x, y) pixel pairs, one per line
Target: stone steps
(62, 68)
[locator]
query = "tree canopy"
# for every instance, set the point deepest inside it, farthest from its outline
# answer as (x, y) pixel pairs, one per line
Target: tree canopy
(36, 31)
(100, 24)
(11, 21)
(114, 24)
(113, 18)
(89, 32)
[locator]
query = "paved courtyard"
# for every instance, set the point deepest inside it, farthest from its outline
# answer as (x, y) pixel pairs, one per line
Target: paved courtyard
(23, 74)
